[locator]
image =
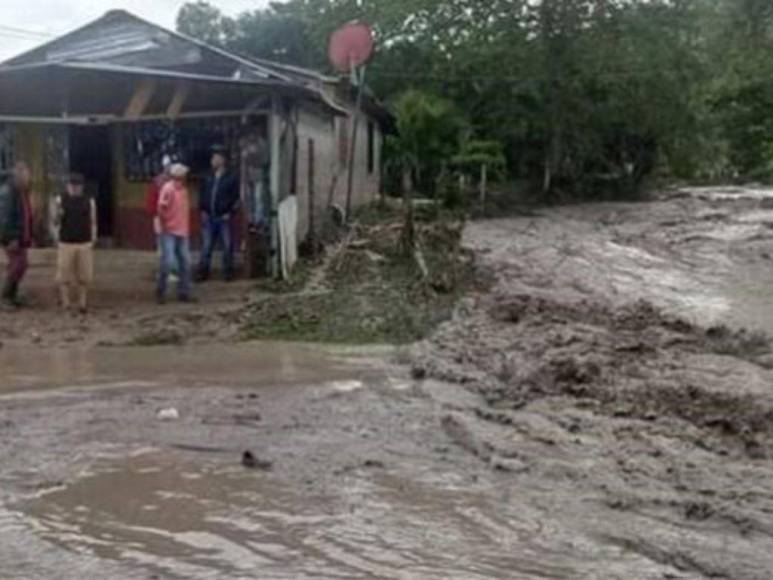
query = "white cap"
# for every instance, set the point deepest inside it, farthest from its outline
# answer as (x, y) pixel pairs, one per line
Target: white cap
(179, 170)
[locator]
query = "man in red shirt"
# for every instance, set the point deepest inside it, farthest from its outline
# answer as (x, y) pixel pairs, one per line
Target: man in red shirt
(174, 226)
(17, 231)
(154, 191)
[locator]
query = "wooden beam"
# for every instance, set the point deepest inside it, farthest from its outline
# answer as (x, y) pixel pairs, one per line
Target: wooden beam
(181, 92)
(275, 129)
(140, 100)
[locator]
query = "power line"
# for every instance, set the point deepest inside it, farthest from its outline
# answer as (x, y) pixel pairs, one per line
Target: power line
(24, 32)
(505, 79)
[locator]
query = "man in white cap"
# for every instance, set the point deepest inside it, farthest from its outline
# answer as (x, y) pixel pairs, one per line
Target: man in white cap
(151, 201)
(174, 227)
(154, 191)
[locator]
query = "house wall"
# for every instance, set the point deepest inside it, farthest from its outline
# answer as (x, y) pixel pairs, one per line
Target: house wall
(132, 227)
(331, 136)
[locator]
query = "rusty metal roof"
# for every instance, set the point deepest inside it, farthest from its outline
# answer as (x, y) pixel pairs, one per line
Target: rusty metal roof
(125, 44)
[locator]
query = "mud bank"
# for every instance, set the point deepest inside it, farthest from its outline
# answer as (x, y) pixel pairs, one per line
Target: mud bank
(610, 378)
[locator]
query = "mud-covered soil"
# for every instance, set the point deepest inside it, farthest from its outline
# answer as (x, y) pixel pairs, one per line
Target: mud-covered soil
(122, 310)
(611, 382)
(361, 288)
(597, 413)
(367, 290)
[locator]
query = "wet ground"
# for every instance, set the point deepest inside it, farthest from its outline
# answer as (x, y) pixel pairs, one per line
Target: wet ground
(587, 418)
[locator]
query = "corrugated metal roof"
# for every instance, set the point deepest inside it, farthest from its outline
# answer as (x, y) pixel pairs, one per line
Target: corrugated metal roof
(121, 42)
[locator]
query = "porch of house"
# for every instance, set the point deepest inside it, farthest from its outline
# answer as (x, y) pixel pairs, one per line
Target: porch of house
(124, 282)
(119, 148)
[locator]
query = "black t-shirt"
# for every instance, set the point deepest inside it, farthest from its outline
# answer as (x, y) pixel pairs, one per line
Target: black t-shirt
(75, 227)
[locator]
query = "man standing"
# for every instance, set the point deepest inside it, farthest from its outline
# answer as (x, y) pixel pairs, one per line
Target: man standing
(16, 231)
(77, 221)
(154, 192)
(174, 222)
(218, 201)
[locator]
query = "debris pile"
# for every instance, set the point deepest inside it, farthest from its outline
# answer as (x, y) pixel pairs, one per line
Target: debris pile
(368, 289)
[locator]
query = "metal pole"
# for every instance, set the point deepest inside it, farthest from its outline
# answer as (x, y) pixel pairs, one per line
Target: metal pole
(353, 141)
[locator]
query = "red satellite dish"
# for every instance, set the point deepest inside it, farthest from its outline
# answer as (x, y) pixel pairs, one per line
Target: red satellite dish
(351, 46)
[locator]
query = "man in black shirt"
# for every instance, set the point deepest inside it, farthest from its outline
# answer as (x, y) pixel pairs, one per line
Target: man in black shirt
(218, 202)
(77, 221)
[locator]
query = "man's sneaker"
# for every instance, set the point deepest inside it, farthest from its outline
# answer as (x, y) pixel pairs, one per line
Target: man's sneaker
(189, 299)
(202, 276)
(160, 299)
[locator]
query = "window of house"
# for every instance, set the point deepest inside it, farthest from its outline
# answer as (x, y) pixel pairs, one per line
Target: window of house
(371, 147)
(188, 141)
(6, 151)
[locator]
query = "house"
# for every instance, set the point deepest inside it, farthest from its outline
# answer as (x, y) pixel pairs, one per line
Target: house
(110, 99)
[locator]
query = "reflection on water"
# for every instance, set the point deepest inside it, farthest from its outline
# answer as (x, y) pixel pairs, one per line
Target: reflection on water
(157, 514)
(252, 364)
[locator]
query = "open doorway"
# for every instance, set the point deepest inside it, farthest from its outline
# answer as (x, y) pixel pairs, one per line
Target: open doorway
(90, 155)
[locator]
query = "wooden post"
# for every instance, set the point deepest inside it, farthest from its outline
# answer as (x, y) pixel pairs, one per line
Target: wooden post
(353, 141)
(312, 203)
(181, 92)
(483, 185)
(409, 228)
(140, 100)
(275, 129)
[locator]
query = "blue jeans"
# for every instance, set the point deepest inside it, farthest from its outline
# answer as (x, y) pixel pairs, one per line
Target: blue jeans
(217, 231)
(175, 252)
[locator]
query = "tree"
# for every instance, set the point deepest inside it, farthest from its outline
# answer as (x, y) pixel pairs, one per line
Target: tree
(587, 97)
(203, 21)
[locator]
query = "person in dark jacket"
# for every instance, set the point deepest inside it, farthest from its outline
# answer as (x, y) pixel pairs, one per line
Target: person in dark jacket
(218, 202)
(76, 218)
(16, 229)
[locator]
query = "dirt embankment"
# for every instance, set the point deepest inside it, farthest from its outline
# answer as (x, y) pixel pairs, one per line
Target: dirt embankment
(607, 376)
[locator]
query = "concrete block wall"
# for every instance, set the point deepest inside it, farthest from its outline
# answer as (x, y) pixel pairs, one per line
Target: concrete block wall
(331, 162)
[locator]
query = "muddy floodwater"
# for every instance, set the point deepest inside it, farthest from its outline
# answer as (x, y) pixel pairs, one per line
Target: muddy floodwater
(597, 413)
(362, 482)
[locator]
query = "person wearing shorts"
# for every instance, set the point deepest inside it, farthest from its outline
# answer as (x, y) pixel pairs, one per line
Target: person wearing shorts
(77, 220)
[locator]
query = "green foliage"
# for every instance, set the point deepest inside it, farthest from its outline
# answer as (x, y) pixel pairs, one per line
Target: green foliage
(428, 131)
(473, 154)
(203, 21)
(587, 97)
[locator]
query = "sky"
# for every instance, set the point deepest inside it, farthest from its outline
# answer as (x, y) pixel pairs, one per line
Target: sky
(26, 23)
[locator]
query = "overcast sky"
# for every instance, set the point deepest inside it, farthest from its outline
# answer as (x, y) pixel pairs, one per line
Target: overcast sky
(55, 17)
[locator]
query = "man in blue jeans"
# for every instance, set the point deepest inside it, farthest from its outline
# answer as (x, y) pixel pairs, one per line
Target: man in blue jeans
(174, 230)
(218, 202)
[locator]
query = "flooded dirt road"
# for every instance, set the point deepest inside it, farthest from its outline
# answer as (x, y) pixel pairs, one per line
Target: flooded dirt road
(586, 418)
(363, 482)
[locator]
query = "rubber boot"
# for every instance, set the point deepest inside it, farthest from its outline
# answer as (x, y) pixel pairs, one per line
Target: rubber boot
(13, 296)
(9, 297)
